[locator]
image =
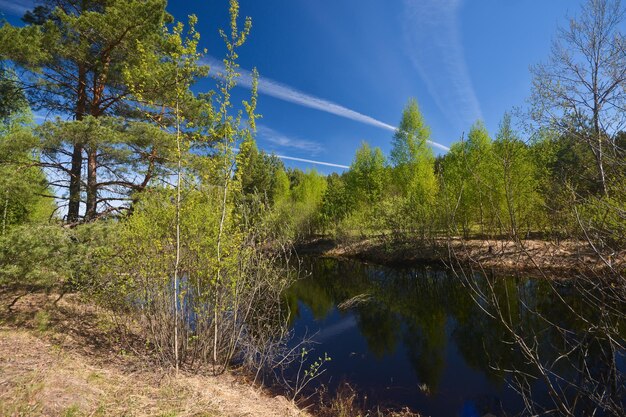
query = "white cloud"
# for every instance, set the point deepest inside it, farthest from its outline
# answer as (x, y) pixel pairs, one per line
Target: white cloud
(432, 38)
(17, 8)
(289, 94)
(278, 139)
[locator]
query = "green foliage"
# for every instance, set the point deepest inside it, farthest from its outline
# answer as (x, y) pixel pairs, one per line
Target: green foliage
(315, 368)
(410, 136)
(603, 219)
(146, 240)
(35, 255)
(492, 185)
(308, 374)
(12, 99)
(262, 177)
(225, 284)
(132, 153)
(352, 201)
(337, 203)
(307, 192)
(48, 255)
(412, 157)
(480, 196)
(454, 182)
(367, 177)
(23, 184)
(42, 320)
(414, 167)
(516, 183)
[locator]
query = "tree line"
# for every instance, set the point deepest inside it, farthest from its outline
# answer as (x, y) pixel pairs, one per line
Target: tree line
(501, 186)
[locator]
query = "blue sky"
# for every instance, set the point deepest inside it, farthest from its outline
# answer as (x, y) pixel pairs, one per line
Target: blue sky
(338, 72)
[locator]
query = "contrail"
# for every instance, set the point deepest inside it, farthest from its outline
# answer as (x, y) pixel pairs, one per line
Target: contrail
(310, 161)
(433, 41)
(283, 92)
(336, 329)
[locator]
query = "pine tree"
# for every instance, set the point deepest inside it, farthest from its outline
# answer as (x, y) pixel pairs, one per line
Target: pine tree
(75, 54)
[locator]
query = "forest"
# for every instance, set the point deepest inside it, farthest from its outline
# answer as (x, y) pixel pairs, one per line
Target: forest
(150, 201)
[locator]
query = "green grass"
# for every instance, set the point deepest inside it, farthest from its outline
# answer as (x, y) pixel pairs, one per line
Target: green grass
(42, 320)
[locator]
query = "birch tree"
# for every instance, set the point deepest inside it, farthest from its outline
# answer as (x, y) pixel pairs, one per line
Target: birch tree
(580, 89)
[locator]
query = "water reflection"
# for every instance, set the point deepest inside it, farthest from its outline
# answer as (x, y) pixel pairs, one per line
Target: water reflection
(417, 338)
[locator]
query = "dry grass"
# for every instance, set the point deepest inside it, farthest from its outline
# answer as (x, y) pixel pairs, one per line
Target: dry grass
(63, 360)
(346, 403)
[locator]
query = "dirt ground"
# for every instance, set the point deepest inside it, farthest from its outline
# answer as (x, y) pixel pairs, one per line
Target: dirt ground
(62, 360)
(536, 257)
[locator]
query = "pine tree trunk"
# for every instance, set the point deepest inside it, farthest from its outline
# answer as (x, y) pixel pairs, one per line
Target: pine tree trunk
(92, 185)
(73, 209)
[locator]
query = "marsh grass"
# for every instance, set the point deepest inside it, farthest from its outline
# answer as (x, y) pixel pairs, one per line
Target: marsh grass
(346, 402)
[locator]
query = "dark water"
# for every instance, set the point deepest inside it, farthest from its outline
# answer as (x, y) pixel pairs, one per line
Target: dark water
(417, 338)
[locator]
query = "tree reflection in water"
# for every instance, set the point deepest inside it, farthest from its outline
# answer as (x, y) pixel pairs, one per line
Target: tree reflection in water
(415, 337)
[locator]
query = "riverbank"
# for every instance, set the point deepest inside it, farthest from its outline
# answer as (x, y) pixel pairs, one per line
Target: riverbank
(534, 257)
(65, 359)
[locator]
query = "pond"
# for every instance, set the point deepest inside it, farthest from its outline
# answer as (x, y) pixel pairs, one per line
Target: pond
(416, 338)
